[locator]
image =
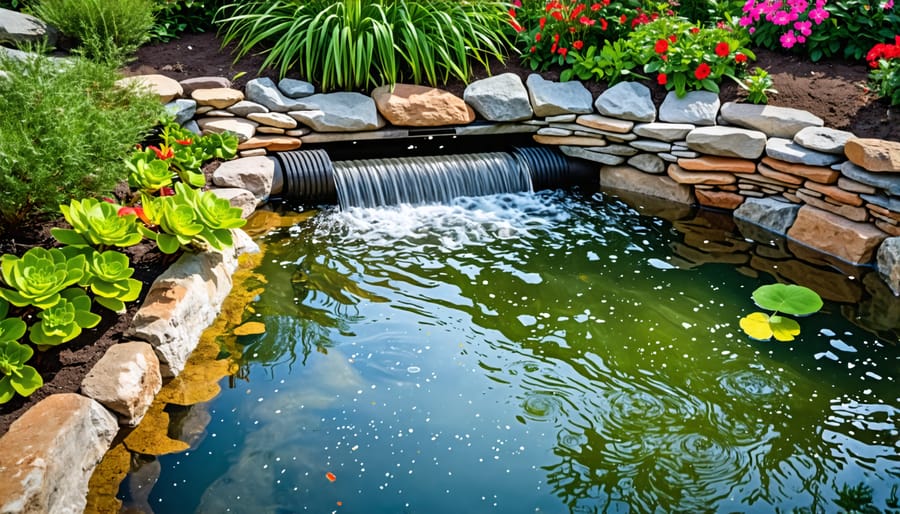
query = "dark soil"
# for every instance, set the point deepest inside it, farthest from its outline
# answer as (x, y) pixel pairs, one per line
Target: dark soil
(833, 90)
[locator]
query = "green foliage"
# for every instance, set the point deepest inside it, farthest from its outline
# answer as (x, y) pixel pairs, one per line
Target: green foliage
(856, 499)
(686, 57)
(853, 27)
(65, 320)
(11, 329)
(107, 31)
(175, 17)
(147, 173)
(17, 377)
(758, 85)
(38, 277)
(13, 5)
(353, 44)
(780, 298)
(706, 11)
(64, 133)
(191, 220)
(98, 224)
(615, 62)
(108, 275)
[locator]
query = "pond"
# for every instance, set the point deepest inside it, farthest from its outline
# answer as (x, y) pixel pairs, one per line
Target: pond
(542, 353)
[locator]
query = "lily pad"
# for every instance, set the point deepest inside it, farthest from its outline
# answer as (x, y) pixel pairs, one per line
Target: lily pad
(760, 325)
(788, 299)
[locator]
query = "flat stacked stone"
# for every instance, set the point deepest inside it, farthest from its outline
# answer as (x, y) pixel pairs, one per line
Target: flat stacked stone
(627, 101)
(823, 139)
(648, 163)
(659, 186)
(500, 98)
(670, 132)
(719, 199)
(265, 92)
(240, 127)
(338, 112)
(821, 174)
(683, 176)
(550, 98)
(602, 123)
(874, 155)
(779, 122)
(190, 84)
(848, 240)
(246, 107)
(165, 88)
(574, 140)
(593, 154)
(712, 163)
(273, 143)
(786, 150)
(218, 98)
(273, 119)
(727, 142)
(695, 108)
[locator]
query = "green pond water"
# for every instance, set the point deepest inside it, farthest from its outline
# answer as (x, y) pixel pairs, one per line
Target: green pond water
(528, 354)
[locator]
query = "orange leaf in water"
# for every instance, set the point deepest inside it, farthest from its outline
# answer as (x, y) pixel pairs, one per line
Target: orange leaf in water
(330, 476)
(340, 503)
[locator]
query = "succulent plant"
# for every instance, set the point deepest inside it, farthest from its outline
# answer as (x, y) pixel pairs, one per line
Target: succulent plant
(64, 321)
(148, 175)
(38, 276)
(192, 219)
(177, 224)
(11, 329)
(98, 224)
(17, 376)
(108, 274)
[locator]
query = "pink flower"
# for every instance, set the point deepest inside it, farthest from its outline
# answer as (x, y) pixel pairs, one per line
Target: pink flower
(888, 5)
(788, 39)
(781, 18)
(804, 27)
(818, 15)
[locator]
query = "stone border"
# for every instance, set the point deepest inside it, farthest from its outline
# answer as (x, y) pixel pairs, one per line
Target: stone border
(820, 187)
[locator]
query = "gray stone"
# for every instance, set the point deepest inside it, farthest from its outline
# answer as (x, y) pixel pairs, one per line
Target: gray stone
(561, 118)
(890, 182)
(293, 88)
(774, 121)
(584, 130)
(727, 142)
(627, 101)
(338, 112)
(617, 149)
(768, 213)
(685, 154)
(496, 128)
(17, 28)
(787, 150)
(499, 98)
(237, 197)
(125, 380)
(182, 109)
(193, 126)
(245, 107)
(890, 203)
(264, 91)
(823, 139)
(591, 155)
(666, 156)
(664, 131)
(553, 131)
(660, 186)
(273, 119)
(254, 174)
(550, 98)
(191, 84)
(336, 137)
(648, 163)
(50, 453)
(649, 145)
(888, 263)
(696, 108)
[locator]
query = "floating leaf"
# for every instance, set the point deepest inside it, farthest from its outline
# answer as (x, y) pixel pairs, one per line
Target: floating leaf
(330, 476)
(783, 328)
(789, 299)
(757, 326)
(250, 328)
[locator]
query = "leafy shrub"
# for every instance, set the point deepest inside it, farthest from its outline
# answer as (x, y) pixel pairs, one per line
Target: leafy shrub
(758, 85)
(614, 62)
(884, 59)
(686, 57)
(13, 5)
(175, 17)
(353, 44)
(64, 133)
(106, 30)
(706, 11)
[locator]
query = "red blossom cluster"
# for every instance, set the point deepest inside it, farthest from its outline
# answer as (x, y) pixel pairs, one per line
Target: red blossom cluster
(883, 51)
(703, 70)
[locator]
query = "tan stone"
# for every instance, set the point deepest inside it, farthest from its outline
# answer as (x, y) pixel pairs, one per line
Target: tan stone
(596, 121)
(272, 143)
(719, 199)
(569, 140)
(256, 152)
(242, 128)
(712, 163)
(165, 88)
(783, 178)
(835, 193)
(858, 214)
(873, 154)
(217, 97)
(630, 179)
(884, 212)
(815, 173)
(237, 197)
(892, 230)
(273, 119)
(848, 240)
(262, 129)
(409, 105)
(125, 380)
(854, 187)
(48, 454)
(699, 177)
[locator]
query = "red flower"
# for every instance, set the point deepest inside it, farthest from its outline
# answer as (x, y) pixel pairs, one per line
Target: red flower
(563, 51)
(553, 48)
(542, 22)
(702, 71)
(596, 7)
(740, 58)
(516, 26)
(577, 11)
(578, 44)
(662, 46)
(163, 153)
(537, 37)
(623, 19)
(603, 24)
(512, 13)
(672, 38)
(557, 15)
(661, 79)
(533, 49)
(586, 21)
(137, 211)
(695, 30)
(184, 142)
(722, 49)
(555, 38)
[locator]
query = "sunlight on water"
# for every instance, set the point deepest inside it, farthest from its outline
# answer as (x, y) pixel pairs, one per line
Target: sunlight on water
(529, 353)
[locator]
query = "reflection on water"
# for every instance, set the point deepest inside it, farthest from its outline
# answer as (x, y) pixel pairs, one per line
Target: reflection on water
(538, 353)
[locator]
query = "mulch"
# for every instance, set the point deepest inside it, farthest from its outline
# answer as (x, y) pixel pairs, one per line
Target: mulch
(834, 90)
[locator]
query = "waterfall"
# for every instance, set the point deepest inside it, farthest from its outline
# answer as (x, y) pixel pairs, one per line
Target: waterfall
(429, 179)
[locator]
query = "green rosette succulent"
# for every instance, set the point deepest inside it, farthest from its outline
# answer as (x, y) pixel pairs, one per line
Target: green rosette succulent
(219, 146)
(218, 218)
(109, 278)
(65, 320)
(38, 276)
(11, 329)
(147, 174)
(175, 219)
(98, 224)
(17, 377)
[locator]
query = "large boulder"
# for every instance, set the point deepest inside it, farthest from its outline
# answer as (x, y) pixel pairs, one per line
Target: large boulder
(727, 142)
(631, 179)
(695, 108)
(410, 105)
(768, 213)
(874, 154)
(628, 101)
(499, 98)
(550, 98)
(17, 28)
(847, 240)
(338, 112)
(125, 380)
(774, 121)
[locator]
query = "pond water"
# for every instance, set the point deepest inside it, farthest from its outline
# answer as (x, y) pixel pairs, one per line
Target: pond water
(529, 353)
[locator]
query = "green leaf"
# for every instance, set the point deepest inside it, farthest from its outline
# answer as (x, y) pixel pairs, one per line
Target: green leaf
(12, 329)
(789, 299)
(27, 381)
(113, 304)
(6, 390)
(168, 244)
(68, 236)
